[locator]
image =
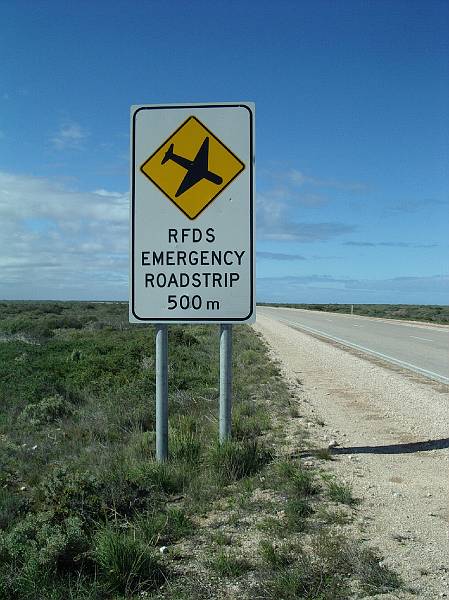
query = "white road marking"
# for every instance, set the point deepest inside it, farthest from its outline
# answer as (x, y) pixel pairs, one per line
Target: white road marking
(420, 338)
(400, 363)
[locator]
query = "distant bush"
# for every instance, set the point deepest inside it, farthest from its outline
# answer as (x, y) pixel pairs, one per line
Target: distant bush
(182, 337)
(49, 308)
(37, 328)
(65, 323)
(47, 410)
(37, 547)
(11, 504)
(67, 492)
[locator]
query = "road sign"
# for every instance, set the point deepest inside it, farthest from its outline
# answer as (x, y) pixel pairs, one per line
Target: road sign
(186, 166)
(192, 213)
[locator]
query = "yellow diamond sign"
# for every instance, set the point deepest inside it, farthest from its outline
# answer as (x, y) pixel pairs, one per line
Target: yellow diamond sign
(192, 167)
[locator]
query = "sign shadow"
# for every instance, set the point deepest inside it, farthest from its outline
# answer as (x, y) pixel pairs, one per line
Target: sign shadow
(405, 448)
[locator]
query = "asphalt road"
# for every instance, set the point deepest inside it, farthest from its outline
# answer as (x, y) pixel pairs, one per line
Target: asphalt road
(420, 348)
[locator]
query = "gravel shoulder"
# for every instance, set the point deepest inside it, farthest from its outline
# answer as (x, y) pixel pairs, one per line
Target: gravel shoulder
(392, 431)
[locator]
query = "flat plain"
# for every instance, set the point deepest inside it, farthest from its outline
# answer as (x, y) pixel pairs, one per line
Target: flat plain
(87, 513)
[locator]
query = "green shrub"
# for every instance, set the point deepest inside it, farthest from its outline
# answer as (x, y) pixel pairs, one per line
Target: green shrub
(299, 481)
(68, 492)
(164, 527)
(344, 558)
(297, 511)
(305, 581)
(11, 504)
(185, 444)
(334, 552)
(126, 565)
(249, 421)
(375, 577)
(27, 326)
(275, 557)
(228, 565)
(64, 323)
(233, 459)
(182, 337)
(333, 517)
(340, 492)
(47, 410)
(38, 547)
(221, 539)
(143, 444)
(320, 573)
(166, 477)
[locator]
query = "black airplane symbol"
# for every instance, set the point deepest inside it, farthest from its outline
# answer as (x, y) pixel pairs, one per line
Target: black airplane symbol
(197, 169)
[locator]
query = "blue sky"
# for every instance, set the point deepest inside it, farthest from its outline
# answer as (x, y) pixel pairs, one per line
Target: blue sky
(352, 142)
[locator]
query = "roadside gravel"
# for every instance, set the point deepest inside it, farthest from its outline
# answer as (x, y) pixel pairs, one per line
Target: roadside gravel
(391, 428)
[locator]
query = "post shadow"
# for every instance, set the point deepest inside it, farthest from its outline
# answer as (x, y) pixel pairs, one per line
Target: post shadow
(406, 448)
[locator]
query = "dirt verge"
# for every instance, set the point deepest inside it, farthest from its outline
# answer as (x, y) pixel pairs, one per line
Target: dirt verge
(392, 438)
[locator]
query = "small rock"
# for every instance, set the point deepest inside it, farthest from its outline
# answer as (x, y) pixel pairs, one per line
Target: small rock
(22, 488)
(332, 444)
(34, 447)
(163, 549)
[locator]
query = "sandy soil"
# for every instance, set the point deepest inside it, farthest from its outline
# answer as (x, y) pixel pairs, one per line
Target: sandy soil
(392, 431)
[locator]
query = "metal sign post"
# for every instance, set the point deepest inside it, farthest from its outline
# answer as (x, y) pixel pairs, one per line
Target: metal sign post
(161, 392)
(225, 381)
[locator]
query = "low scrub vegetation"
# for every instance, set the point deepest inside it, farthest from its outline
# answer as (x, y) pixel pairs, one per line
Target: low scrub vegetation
(87, 513)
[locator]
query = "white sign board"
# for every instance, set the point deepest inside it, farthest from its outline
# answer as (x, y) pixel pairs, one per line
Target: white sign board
(192, 213)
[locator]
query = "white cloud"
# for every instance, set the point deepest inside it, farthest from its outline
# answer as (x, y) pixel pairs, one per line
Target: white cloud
(59, 242)
(390, 244)
(328, 289)
(275, 222)
(413, 206)
(298, 178)
(69, 136)
(280, 256)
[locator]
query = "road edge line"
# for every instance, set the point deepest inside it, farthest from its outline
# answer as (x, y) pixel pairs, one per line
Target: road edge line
(416, 369)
